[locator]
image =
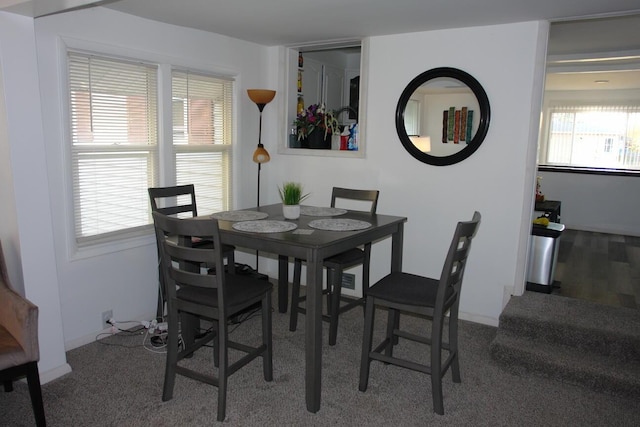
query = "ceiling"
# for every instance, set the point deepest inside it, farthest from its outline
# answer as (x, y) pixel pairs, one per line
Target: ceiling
(302, 22)
(595, 54)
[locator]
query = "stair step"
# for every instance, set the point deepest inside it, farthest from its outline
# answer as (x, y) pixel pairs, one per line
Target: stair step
(568, 364)
(590, 327)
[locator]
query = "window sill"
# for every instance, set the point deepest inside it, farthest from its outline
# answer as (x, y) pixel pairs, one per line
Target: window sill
(321, 153)
(589, 171)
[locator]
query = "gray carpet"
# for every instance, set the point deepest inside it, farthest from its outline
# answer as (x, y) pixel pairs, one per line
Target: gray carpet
(121, 385)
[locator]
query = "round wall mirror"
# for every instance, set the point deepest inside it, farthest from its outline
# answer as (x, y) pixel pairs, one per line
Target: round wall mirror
(442, 116)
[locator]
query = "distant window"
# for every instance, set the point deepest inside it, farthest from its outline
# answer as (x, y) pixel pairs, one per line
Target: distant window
(412, 117)
(599, 137)
(608, 144)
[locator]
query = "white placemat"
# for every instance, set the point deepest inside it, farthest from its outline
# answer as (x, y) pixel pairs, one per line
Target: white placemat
(239, 215)
(265, 226)
(320, 211)
(337, 224)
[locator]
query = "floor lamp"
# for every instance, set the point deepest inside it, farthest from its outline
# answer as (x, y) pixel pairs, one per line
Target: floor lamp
(261, 97)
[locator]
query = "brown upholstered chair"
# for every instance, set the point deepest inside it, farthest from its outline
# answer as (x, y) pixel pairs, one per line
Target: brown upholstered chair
(335, 266)
(433, 298)
(19, 351)
(196, 289)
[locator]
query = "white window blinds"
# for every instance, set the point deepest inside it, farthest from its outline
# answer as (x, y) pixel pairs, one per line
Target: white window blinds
(202, 137)
(114, 147)
(599, 136)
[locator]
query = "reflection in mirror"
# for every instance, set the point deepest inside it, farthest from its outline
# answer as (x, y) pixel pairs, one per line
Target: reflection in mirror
(434, 101)
(442, 116)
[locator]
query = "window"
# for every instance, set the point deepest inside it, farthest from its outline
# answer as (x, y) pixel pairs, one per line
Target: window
(598, 137)
(202, 136)
(114, 144)
(116, 151)
(412, 117)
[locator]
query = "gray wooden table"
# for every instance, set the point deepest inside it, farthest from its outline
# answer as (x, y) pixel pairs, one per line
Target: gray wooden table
(314, 248)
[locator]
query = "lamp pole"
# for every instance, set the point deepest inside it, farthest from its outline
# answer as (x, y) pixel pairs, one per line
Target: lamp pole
(261, 97)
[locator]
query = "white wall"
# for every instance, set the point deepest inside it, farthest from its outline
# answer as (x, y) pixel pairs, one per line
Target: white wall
(33, 255)
(508, 60)
(604, 204)
(123, 278)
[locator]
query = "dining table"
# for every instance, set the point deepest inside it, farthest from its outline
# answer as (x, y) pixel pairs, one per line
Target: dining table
(312, 237)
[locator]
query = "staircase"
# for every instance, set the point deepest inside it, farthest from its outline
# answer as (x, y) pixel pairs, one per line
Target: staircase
(574, 341)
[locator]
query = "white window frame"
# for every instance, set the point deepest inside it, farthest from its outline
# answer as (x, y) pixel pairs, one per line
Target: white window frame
(165, 146)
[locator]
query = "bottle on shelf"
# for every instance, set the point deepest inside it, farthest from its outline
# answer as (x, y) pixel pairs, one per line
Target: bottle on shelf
(300, 60)
(300, 108)
(299, 81)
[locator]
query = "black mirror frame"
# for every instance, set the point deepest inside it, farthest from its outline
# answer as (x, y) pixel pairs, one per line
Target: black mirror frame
(483, 126)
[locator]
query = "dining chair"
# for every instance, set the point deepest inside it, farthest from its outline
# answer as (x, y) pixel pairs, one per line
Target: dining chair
(335, 267)
(401, 292)
(19, 350)
(180, 201)
(211, 294)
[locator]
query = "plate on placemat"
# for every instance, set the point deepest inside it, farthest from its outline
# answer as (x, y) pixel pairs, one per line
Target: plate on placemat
(337, 224)
(239, 215)
(265, 226)
(321, 211)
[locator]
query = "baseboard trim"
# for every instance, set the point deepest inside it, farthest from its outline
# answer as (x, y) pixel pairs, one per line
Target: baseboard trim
(476, 318)
(54, 373)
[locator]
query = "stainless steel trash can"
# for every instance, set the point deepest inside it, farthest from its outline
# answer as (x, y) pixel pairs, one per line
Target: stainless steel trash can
(543, 256)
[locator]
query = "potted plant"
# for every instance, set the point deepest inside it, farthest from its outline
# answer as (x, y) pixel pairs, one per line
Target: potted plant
(291, 194)
(315, 126)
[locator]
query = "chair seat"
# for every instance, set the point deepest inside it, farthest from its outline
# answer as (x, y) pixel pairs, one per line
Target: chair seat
(407, 288)
(239, 290)
(345, 259)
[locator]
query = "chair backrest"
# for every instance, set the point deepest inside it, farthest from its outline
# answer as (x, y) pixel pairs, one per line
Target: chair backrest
(174, 201)
(448, 296)
(353, 194)
(189, 266)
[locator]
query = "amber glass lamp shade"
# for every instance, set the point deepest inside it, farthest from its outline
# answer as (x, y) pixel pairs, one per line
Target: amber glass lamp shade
(261, 97)
(261, 155)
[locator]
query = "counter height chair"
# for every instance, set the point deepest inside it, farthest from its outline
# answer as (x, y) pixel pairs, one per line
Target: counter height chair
(195, 288)
(335, 267)
(180, 201)
(19, 350)
(434, 298)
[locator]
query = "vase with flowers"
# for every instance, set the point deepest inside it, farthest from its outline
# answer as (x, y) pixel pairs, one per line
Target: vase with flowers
(315, 127)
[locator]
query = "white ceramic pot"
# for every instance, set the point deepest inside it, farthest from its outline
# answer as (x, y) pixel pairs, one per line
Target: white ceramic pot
(291, 211)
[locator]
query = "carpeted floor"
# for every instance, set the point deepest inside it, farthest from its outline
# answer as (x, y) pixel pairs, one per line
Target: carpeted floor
(120, 384)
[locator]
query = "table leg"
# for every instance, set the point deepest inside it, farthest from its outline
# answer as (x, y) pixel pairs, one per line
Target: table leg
(313, 332)
(396, 248)
(283, 283)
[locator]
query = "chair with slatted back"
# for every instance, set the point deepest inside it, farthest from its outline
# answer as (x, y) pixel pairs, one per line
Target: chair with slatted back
(401, 292)
(194, 288)
(180, 201)
(335, 267)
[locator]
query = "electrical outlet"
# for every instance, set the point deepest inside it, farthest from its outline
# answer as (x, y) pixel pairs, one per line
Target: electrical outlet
(348, 281)
(106, 316)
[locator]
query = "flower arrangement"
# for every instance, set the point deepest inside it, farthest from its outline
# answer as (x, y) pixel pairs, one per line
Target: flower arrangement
(316, 117)
(291, 193)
